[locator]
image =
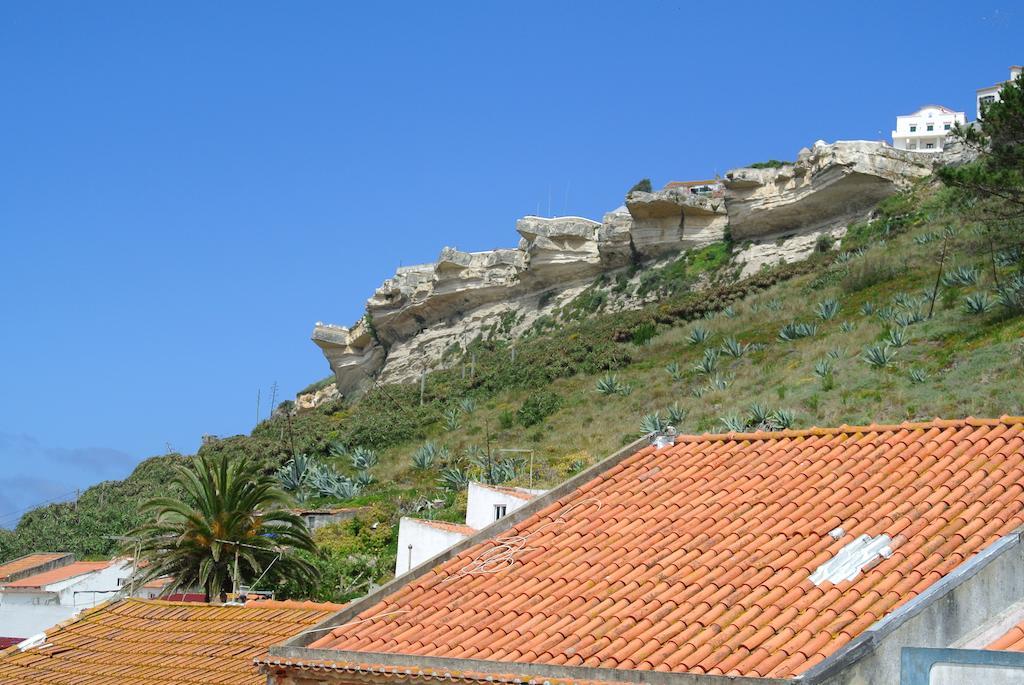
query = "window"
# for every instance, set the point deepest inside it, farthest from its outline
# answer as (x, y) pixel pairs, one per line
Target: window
(987, 100)
(931, 127)
(499, 511)
(913, 128)
(946, 127)
(120, 582)
(911, 146)
(930, 145)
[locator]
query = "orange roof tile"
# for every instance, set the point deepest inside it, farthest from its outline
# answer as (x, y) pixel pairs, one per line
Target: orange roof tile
(697, 558)
(152, 642)
(1012, 641)
(29, 562)
(56, 575)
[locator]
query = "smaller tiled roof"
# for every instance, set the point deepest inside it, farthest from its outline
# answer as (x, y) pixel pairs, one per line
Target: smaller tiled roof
(56, 575)
(690, 184)
(28, 562)
(1012, 641)
(153, 642)
(6, 642)
(446, 526)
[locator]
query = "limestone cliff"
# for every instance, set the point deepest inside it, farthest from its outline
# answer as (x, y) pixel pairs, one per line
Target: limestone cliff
(774, 214)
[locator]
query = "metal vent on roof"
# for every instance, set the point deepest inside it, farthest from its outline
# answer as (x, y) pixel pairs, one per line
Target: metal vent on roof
(852, 558)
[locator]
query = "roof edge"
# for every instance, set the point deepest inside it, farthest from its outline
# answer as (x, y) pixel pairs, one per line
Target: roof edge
(500, 526)
(866, 642)
(815, 431)
(450, 668)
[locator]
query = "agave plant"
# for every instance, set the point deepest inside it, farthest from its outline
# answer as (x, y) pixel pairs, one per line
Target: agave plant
(708, 363)
(1010, 256)
(910, 316)
(847, 327)
(322, 479)
(698, 391)
(363, 458)
(961, 275)
(926, 238)
(364, 479)
(729, 312)
(758, 416)
(836, 353)
(823, 368)
(652, 423)
(918, 375)
(781, 419)
(795, 331)
(719, 382)
(734, 423)
(904, 300)
(337, 449)
(885, 313)
(897, 337)
(674, 372)
(733, 347)
(774, 304)
(827, 309)
(978, 303)
(879, 356)
(454, 478)
(867, 308)
(452, 418)
(698, 335)
(1011, 294)
(467, 405)
(344, 489)
(294, 474)
(675, 415)
(611, 385)
(426, 454)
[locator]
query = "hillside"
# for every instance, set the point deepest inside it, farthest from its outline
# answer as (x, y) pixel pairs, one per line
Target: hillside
(908, 307)
(843, 337)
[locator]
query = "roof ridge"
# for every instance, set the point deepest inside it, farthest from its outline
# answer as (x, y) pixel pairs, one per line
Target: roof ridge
(815, 431)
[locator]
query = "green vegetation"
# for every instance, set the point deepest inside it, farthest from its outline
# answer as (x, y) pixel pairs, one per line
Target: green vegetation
(641, 186)
(769, 164)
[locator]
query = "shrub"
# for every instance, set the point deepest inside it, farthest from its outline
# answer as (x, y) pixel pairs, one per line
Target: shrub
(867, 273)
(643, 333)
(506, 419)
(769, 164)
(824, 242)
(641, 186)
(538, 407)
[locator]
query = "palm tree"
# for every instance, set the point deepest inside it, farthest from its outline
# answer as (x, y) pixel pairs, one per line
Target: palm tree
(230, 525)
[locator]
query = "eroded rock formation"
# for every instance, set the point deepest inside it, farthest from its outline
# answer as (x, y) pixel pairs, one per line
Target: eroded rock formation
(421, 312)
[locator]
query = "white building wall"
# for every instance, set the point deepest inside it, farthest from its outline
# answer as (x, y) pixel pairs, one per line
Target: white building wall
(482, 500)
(419, 541)
(991, 94)
(912, 129)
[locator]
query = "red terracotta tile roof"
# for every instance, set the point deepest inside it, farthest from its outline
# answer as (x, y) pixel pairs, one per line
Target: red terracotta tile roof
(294, 604)
(152, 642)
(28, 562)
(460, 528)
(1012, 641)
(697, 558)
(56, 575)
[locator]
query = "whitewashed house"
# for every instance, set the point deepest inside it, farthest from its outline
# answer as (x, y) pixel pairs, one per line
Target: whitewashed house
(989, 94)
(31, 604)
(420, 539)
(926, 129)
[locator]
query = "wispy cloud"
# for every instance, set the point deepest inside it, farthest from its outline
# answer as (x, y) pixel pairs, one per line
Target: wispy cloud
(34, 473)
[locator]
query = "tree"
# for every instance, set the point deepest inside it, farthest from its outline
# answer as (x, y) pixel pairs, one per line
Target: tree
(994, 183)
(229, 526)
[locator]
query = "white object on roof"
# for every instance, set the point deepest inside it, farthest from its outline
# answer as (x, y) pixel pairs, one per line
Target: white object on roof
(852, 558)
(30, 642)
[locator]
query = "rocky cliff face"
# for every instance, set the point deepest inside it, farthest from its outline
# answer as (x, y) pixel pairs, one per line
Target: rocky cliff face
(422, 311)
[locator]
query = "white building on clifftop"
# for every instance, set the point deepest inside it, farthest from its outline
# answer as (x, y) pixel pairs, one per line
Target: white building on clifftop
(990, 94)
(926, 129)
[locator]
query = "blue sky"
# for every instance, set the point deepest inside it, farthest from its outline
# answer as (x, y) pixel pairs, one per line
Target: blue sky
(185, 188)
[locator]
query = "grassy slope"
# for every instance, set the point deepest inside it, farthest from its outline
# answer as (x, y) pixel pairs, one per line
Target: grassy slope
(972, 364)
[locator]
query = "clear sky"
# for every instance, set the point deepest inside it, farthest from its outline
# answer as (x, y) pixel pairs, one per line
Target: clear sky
(186, 187)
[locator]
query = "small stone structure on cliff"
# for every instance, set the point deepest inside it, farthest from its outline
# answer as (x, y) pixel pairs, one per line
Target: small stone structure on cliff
(775, 214)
